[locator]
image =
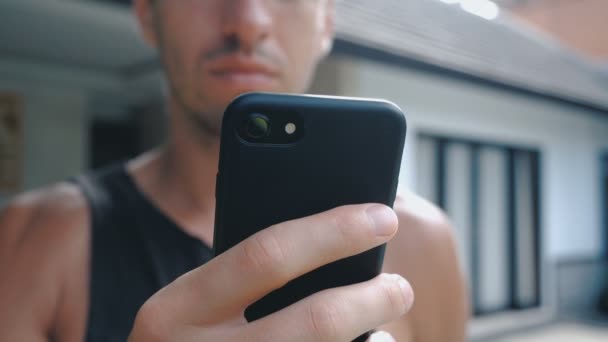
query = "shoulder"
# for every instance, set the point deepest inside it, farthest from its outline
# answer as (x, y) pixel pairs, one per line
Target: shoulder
(421, 217)
(43, 245)
(425, 237)
(424, 252)
(43, 226)
(60, 210)
(50, 212)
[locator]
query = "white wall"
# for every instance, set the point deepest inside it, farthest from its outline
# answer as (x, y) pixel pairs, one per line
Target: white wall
(57, 103)
(569, 139)
(54, 133)
(60, 97)
(55, 136)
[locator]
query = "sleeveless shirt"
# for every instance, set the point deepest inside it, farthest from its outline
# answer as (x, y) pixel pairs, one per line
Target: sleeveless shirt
(135, 251)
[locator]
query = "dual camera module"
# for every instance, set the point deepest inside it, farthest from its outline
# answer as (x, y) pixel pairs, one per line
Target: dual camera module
(271, 129)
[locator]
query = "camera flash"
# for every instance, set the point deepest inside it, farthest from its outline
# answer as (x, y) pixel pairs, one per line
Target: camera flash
(290, 128)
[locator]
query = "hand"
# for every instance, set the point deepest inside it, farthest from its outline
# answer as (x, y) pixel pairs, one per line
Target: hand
(207, 304)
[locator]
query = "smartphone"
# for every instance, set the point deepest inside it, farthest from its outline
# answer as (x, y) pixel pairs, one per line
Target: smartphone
(284, 157)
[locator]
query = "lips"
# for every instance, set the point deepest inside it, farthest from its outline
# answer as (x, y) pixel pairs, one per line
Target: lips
(243, 71)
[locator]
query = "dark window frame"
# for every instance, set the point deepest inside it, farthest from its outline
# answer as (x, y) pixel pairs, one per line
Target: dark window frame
(604, 200)
(443, 141)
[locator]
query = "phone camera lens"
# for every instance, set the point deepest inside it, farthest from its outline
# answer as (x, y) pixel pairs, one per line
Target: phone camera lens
(258, 126)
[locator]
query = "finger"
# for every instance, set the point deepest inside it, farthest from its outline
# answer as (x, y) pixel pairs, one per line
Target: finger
(339, 314)
(381, 336)
(274, 256)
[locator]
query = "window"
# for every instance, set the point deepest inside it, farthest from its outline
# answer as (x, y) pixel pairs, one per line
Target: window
(491, 193)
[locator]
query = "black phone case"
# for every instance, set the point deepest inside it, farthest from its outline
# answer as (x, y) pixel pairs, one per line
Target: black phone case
(350, 154)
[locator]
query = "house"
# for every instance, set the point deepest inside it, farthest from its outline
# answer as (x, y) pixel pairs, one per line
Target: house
(507, 129)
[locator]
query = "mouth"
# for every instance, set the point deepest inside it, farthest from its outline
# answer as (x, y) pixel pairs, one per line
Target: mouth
(243, 72)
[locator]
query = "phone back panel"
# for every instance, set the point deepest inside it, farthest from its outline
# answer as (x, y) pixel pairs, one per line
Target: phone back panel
(350, 154)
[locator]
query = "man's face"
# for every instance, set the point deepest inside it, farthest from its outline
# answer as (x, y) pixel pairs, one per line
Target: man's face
(214, 50)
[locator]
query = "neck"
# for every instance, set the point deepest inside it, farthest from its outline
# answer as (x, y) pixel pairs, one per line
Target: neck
(190, 160)
(180, 177)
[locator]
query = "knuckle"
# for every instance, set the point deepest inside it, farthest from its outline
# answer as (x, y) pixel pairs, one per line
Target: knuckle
(264, 253)
(350, 226)
(392, 293)
(324, 321)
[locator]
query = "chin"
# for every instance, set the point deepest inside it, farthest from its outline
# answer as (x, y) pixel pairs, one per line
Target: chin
(225, 96)
(217, 99)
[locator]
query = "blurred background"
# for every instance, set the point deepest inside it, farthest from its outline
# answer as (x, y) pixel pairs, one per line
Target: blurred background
(507, 107)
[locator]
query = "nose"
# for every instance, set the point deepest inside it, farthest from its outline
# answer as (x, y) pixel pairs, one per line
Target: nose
(248, 22)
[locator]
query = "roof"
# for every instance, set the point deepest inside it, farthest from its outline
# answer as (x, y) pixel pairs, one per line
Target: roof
(427, 32)
(500, 50)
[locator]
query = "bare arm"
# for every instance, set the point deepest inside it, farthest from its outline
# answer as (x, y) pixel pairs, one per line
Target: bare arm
(39, 250)
(424, 251)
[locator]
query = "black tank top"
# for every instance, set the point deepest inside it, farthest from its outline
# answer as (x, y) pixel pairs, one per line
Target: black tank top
(135, 251)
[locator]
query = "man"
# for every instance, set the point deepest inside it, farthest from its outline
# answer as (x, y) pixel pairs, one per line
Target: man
(83, 260)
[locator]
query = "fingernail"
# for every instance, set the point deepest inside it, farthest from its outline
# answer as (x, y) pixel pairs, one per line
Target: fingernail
(406, 291)
(381, 336)
(384, 219)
